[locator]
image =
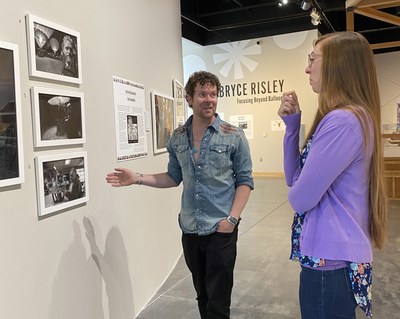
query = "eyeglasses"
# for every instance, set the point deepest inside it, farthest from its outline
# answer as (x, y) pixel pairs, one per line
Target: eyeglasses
(311, 58)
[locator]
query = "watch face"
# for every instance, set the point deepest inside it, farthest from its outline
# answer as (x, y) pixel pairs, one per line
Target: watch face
(232, 220)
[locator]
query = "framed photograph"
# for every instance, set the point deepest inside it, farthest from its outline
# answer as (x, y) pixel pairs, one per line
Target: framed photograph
(11, 146)
(180, 103)
(163, 120)
(61, 181)
(132, 129)
(58, 116)
(54, 51)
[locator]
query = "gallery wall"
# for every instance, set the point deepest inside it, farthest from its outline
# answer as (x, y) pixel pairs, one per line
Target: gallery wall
(106, 257)
(388, 70)
(254, 74)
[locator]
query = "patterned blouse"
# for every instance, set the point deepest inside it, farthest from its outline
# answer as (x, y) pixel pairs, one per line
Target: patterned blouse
(360, 274)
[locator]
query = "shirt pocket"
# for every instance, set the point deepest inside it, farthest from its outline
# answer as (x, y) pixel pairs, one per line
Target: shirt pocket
(219, 155)
(182, 154)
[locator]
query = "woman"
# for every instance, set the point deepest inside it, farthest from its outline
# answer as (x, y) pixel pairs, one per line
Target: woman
(337, 187)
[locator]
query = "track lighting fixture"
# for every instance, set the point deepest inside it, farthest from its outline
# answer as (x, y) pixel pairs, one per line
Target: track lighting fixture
(305, 5)
(315, 17)
(282, 2)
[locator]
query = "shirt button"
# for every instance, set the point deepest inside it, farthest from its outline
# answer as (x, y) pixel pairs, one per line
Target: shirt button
(219, 151)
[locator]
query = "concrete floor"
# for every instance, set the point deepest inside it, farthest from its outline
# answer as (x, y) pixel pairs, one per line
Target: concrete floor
(266, 282)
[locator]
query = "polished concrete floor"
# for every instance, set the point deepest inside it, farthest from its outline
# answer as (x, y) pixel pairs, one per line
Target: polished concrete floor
(266, 282)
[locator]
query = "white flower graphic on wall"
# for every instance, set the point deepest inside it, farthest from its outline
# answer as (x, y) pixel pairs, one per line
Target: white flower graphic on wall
(237, 55)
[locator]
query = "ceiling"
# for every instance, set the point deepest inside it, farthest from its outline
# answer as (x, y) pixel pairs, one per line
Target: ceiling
(209, 22)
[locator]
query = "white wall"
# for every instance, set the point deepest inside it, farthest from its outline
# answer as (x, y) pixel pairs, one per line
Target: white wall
(388, 69)
(46, 268)
(279, 57)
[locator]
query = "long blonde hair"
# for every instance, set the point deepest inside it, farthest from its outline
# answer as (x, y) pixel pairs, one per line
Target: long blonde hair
(348, 81)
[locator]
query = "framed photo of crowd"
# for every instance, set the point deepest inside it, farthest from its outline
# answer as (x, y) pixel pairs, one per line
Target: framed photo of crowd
(11, 147)
(163, 120)
(54, 51)
(62, 181)
(58, 116)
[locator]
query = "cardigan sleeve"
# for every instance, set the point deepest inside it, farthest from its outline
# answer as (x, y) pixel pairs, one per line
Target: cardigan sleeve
(337, 142)
(291, 147)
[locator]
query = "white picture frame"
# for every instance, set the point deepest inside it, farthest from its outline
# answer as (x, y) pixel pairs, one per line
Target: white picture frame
(54, 51)
(162, 107)
(11, 144)
(56, 187)
(180, 107)
(58, 117)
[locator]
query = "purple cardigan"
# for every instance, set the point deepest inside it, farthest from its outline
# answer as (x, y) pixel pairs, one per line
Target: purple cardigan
(333, 187)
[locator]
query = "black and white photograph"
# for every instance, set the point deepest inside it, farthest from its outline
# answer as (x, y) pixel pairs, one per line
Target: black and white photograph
(59, 117)
(11, 146)
(62, 181)
(163, 120)
(132, 129)
(54, 51)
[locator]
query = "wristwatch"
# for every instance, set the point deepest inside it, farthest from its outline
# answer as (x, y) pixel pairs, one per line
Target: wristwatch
(232, 219)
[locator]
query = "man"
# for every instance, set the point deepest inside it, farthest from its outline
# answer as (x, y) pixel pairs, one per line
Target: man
(132, 130)
(212, 158)
(75, 187)
(69, 57)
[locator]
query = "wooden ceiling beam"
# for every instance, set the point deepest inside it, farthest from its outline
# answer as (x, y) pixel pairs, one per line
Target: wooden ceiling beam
(389, 5)
(378, 15)
(371, 9)
(352, 3)
(371, 3)
(385, 45)
(350, 20)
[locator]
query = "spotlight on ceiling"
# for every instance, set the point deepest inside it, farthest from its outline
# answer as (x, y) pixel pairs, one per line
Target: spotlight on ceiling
(305, 5)
(282, 2)
(315, 17)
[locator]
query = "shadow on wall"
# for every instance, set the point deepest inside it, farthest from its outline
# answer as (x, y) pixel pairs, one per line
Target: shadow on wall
(77, 290)
(113, 267)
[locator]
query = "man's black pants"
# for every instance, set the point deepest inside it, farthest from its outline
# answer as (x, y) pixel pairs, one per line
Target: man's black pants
(211, 260)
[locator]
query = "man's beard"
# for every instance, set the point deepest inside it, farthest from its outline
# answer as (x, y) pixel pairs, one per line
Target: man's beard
(68, 62)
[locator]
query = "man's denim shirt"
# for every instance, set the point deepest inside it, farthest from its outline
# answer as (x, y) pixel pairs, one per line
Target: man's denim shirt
(209, 186)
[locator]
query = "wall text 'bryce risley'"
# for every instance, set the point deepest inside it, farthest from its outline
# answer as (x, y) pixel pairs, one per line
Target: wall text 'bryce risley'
(252, 88)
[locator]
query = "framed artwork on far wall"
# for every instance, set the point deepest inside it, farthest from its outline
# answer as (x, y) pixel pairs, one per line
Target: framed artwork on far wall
(180, 103)
(162, 107)
(61, 181)
(58, 116)
(54, 51)
(11, 146)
